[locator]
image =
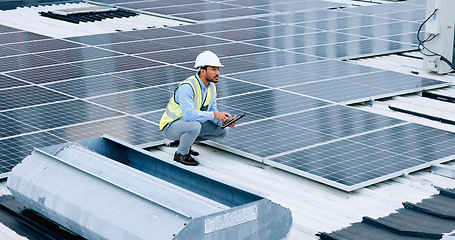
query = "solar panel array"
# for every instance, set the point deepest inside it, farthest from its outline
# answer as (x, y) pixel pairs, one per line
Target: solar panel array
(282, 68)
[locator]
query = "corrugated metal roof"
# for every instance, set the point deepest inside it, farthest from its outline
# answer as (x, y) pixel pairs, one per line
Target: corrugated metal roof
(432, 218)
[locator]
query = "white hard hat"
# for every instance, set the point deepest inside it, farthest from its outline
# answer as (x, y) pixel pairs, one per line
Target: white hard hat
(207, 58)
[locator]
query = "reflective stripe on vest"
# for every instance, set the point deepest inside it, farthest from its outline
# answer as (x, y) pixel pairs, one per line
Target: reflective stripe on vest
(174, 112)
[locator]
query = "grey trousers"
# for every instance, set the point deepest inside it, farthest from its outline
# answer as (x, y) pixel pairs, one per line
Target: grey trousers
(190, 132)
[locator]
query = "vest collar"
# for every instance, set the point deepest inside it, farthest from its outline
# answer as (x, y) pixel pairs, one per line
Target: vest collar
(201, 83)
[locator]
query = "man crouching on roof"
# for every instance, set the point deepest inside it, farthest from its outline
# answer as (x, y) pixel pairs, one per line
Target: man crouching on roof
(191, 114)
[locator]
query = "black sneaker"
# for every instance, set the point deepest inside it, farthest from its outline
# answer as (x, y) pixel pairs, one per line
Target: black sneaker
(194, 153)
(185, 159)
(176, 144)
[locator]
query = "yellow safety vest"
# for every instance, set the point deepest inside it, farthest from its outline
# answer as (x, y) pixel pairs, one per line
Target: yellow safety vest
(174, 112)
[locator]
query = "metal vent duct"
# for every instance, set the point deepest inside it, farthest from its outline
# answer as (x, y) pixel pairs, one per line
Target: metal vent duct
(102, 188)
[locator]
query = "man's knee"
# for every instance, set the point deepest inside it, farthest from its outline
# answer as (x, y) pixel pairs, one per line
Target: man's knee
(223, 133)
(194, 127)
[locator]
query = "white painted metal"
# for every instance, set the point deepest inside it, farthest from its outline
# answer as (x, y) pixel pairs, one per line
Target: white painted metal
(443, 170)
(441, 25)
(29, 19)
(95, 207)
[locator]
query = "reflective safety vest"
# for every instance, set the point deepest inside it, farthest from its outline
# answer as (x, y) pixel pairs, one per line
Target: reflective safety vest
(174, 112)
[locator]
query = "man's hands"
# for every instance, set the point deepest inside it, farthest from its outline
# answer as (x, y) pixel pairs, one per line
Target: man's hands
(221, 116)
(224, 117)
(229, 119)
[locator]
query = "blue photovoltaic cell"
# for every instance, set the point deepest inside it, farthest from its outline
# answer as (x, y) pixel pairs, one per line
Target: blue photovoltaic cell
(126, 128)
(305, 40)
(156, 76)
(413, 140)
(106, 38)
(5, 29)
(13, 150)
(52, 73)
(24, 61)
(11, 127)
(28, 96)
(372, 156)
(382, 30)
(14, 37)
(60, 114)
(140, 46)
(302, 73)
(269, 103)
(306, 16)
(225, 13)
(188, 54)
(411, 15)
(269, 137)
(137, 101)
(154, 117)
(302, 5)
(273, 59)
(191, 41)
(340, 121)
(41, 46)
(77, 54)
(119, 64)
(346, 163)
(383, 8)
(227, 87)
(94, 86)
(365, 86)
(262, 32)
(6, 51)
(361, 48)
(346, 22)
(8, 82)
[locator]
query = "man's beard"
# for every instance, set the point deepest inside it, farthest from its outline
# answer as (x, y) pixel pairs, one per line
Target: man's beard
(214, 79)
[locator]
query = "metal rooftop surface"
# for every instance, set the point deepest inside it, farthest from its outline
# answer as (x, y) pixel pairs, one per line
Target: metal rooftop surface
(76, 85)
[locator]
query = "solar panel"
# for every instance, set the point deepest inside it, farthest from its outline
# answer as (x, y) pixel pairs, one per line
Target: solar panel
(11, 127)
(16, 148)
(28, 96)
(281, 67)
(302, 5)
(345, 22)
(355, 162)
(29, 46)
(137, 101)
(14, 37)
(381, 30)
(51, 73)
(361, 48)
(60, 114)
(411, 15)
(269, 103)
(365, 87)
(77, 54)
(23, 61)
(94, 86)
(8, 82)
(293, 74)
(127, 128)
(305, 40)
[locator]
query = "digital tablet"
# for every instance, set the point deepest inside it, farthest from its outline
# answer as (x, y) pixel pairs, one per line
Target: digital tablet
(233, 120)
